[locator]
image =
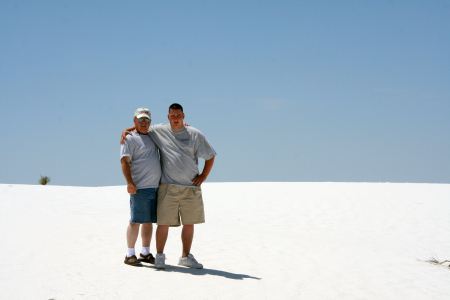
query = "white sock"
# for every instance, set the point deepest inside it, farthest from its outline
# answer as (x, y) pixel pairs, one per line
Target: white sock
(145, 250)
(130, 252)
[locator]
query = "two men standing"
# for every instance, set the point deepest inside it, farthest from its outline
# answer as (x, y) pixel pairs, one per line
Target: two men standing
(179, 193)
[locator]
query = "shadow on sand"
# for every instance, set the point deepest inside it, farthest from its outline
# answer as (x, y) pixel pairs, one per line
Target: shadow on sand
(201, 272)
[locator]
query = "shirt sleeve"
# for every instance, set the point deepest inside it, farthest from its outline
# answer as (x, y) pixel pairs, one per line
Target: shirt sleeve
(154, 128)
(204, 149)
(125, 149)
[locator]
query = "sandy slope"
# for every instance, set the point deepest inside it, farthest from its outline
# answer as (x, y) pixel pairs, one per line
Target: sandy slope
(261, 241)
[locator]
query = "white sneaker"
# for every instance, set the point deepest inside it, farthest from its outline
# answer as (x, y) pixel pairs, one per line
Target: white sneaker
(160, 261)
(190, 261)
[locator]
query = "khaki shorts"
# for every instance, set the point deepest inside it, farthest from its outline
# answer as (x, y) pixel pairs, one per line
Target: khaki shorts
(175, 201)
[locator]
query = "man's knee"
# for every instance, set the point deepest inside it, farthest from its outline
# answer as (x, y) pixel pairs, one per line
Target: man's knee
(162, 228)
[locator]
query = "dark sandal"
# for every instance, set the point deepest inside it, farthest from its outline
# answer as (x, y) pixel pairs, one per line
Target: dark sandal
(132, 261)
(147, 258)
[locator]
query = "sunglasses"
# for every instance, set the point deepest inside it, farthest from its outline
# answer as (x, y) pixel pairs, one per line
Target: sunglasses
(143, 119)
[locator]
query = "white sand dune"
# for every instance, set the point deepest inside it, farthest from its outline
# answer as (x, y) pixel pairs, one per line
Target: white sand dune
(260, 241)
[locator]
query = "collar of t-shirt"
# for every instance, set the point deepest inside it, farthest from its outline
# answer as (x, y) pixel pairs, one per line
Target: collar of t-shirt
(182, 130)
(145, 134)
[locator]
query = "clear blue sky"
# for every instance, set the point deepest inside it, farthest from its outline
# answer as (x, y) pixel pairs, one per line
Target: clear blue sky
(284, 90)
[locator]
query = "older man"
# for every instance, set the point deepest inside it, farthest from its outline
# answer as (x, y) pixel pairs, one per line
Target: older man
(142, 170)
(179, 194)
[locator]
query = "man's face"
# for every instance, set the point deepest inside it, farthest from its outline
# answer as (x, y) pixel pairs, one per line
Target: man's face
(142, 124)
(176, 117)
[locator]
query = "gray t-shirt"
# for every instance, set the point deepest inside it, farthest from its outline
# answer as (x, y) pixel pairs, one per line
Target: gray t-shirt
(180, 150)
(145, 165)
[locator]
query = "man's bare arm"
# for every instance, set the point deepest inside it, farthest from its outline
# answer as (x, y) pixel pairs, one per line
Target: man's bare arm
(131, 187)
(126, 132)
(206, 169)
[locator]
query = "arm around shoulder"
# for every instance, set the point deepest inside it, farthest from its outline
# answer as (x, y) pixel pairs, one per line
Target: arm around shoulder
(126, 132)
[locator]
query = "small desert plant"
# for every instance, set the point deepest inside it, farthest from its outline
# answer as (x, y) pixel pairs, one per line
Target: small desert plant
(44, 180)
(435, 260)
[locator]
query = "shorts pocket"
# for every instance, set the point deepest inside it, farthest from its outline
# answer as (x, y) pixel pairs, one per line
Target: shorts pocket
(197, 192)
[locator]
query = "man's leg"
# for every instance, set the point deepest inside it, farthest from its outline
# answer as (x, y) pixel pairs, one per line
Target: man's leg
(146, 234)
(187, 235)
(161, 237)
(191, 212)
(147, 227)
(132, 234)
(187, 259)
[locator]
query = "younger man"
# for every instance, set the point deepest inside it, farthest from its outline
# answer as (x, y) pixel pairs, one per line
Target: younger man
(142, 170)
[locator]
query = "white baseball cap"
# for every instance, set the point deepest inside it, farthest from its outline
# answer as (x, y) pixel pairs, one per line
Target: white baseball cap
(142, 112)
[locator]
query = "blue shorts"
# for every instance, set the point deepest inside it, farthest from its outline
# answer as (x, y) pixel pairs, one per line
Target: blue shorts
(143, 206)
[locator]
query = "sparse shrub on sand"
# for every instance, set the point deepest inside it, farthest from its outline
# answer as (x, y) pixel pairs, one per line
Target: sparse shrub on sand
(435, 260)
(44, 180)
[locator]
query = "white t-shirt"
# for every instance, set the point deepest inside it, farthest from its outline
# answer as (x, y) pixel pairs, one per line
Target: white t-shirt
(145, 165)
(180, 150)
